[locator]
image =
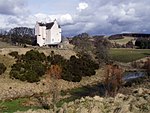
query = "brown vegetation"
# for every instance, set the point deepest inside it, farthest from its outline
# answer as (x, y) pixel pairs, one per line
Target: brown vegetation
(113, 79)
(54, 71)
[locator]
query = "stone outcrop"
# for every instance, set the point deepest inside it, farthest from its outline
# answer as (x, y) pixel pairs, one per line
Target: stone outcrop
(137, 102)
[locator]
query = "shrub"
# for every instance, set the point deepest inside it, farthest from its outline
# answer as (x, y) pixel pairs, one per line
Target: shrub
(55, 71)
(75, 68)
(2, 68)
(36, 66)
(147, 66)
(31, 76)
(28, 71)
(113, 79)
(14, 54)
(56, 59)
(30, 68)
(34, 55)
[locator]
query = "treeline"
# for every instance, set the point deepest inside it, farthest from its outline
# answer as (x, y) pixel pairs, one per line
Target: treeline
(116, 37)
(19, 36)
(33, 65)
(136, 35)
(96, 46)
(143, 43)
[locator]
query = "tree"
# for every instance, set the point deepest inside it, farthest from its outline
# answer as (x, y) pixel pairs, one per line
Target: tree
(129, 44)
(22, 35)
(101, 50)
(82, 43)
(143, 43)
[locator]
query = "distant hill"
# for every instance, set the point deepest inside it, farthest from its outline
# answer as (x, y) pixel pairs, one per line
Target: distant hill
(126, 37)
(135, 35)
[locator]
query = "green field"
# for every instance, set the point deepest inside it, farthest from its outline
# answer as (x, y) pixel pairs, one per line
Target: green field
(128, 55)
(15, 105)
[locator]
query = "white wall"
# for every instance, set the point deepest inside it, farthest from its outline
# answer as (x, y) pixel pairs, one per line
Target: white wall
(41, 34)
(48, 37)
(55, 34)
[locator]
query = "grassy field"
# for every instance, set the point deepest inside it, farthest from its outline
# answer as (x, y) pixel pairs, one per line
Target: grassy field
(122, 41)
(128, 55)
(4, 44)
(15, 105)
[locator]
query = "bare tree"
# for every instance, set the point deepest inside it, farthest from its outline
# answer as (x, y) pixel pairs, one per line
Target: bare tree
(102, 50)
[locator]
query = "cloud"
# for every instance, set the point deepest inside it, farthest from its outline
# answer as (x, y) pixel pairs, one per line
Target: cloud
(114, 16)
(91, 16)
(66, 19)
(82, 6)
(63, 19)
(13, 7)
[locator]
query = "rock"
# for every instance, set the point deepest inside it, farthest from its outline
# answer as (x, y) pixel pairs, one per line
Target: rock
(95, 110)
(88, 98)
(70, 103)
(125, 109)
(65, 106)
(119, 97)
(61, 110)
(83, 110)
(82, 99)
(140, 91)
(98, 98)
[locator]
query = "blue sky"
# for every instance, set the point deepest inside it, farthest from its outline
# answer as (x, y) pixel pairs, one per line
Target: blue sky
(96, 17)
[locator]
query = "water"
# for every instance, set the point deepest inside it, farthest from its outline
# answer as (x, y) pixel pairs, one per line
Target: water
(133, 75)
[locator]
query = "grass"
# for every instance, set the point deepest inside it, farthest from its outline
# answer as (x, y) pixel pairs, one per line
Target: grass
(74, 94)
(8, 62)
(4, 44)
(128, 55)
(14, 105)
(122, 41)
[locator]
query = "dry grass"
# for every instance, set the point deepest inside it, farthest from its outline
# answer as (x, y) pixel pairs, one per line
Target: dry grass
(8, 62)
(4, 44)
(123, 41)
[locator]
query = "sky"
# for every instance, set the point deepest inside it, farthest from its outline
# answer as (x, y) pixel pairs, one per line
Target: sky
(95, 17)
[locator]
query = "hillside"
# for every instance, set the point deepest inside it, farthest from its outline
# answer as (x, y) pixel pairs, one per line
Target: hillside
(137, 102)
(124, 40)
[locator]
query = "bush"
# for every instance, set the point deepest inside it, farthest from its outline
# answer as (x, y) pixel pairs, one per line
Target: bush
(56, 59)
(30, 68)
(147, 66)
(28, 71)
(34, 64)
(75, 68)
(34, 55)
(31, 76)
(2, 68)
(14, 54)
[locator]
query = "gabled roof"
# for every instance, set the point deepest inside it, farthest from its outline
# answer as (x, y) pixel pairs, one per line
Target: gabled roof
(48, 25)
